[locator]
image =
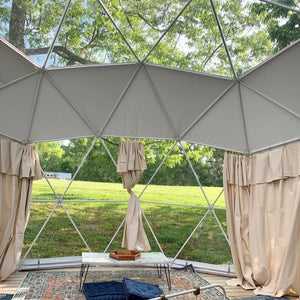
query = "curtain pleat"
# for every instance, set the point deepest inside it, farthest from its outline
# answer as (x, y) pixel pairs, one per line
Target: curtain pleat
(19, 165)
(131, 162)
(262, 194)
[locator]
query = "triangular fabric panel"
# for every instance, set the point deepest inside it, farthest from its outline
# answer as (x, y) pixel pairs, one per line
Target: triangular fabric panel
(139, 114)
(222, 125)
(186, 95)
(54, 118)
(279, 78)
(16, 104)
(267, 123)
(94, 90)
(14, 64)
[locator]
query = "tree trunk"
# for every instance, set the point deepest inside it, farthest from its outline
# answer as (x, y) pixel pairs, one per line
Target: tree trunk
(17, 25)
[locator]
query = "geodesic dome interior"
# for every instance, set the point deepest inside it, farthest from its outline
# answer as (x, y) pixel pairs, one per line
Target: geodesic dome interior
(207, 72)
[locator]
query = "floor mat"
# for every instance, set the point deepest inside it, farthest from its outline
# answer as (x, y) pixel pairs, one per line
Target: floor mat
(65, 285)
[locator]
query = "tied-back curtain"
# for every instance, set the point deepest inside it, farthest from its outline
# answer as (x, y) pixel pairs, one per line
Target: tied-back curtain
(131, 164)
(262, 194)
(19, 165)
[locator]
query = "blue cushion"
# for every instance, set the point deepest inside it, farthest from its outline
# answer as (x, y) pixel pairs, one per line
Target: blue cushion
(135, 290)
(108, 290)
(6, 296)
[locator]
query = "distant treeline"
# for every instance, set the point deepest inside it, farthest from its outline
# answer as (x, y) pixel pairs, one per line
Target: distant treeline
(66, 157)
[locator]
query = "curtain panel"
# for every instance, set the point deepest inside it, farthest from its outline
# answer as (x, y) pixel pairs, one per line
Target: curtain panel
(131, 164)
(19, 165)
(262, 194)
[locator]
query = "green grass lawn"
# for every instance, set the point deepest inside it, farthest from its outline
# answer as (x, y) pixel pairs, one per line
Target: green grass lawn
(98, 222)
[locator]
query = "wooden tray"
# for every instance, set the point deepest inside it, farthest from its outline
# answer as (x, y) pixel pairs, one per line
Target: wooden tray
(125, 255)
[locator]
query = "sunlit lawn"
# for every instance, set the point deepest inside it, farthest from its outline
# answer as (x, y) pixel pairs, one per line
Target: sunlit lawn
(86, 190)
(98, 222)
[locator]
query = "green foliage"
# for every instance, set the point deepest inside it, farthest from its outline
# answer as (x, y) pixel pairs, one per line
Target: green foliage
(50, 155)
(98, 166)
(88, 35)
(283, 25)
(58, 157)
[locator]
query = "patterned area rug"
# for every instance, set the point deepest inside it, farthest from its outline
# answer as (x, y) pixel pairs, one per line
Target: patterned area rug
(56, 285)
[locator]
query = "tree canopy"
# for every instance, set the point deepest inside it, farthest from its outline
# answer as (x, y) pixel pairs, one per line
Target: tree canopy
(114, 31)
(207, 162)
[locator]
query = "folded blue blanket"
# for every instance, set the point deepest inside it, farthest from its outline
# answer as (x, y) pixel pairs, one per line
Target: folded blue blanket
(128, 289)
(140, 291)
(6, 296)
(107, 290)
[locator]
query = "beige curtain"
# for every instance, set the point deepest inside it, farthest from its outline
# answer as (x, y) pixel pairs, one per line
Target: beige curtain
(19, 165)
(262, 195)
(131, 164)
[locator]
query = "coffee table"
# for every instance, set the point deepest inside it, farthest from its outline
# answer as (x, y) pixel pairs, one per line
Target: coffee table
(156, 259)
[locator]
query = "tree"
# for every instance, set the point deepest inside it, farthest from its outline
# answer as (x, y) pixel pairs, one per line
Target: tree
(50, 154)
(99, 167)
(283, 25)
(88, 34)
(176, 169)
